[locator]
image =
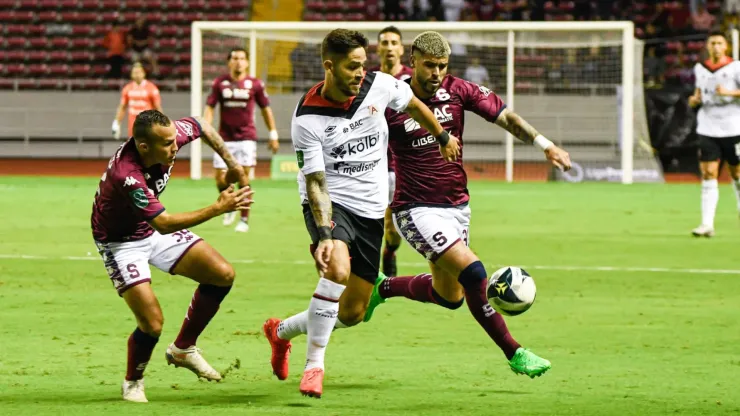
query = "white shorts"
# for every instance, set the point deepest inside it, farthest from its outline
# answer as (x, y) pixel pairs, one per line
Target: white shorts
(391, 186)
(433, 230)
(128, 263)
(244, 151)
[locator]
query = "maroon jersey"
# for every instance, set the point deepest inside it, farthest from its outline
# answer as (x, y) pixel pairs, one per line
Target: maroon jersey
(237, 100)
(423, 177)
(128, 193)
(403, 75)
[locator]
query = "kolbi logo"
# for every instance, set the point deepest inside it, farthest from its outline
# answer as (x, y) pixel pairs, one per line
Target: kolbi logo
(363, 144)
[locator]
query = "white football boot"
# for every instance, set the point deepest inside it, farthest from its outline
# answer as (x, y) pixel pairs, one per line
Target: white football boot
(133, 391)
(229, 218)
(703, 231)
(242, 227)
(191, 359)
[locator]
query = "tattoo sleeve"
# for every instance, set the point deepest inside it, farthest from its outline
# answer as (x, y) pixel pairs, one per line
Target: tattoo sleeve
(517, 126)
(318, 198)
(216, 142)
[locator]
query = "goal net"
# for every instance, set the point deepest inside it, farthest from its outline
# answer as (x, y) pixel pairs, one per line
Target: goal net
(578, 83)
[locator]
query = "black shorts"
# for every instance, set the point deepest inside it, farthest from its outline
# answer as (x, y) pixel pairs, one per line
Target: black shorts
(720, 148)
(363, 236)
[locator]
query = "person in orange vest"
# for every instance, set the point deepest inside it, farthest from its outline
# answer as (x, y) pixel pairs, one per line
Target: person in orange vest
(138, 95)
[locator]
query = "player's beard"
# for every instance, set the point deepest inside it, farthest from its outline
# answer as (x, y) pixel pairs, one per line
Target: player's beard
(344, 86)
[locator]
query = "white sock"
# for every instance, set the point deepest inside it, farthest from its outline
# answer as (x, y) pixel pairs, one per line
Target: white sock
(293, 326)
(736, 186)
(709, 199)
(322, 316)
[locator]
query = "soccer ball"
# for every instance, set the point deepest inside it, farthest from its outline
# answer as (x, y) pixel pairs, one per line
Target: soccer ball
(511, 291)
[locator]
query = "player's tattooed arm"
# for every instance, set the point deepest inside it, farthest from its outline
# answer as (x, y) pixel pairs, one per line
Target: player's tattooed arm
(517, 126)
(216, 142)
(318, 198)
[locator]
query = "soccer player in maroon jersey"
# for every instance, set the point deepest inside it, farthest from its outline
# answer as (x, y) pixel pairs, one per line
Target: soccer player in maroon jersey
(390, 49)
(132, 230)
(430, 206)
(237, 93)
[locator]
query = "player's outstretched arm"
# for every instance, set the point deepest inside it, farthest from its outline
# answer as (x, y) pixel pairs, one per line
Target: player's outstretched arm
(216, 142)
(320, 204)
(450, 145)
(519, 128)
(229, 200)
(116, 127)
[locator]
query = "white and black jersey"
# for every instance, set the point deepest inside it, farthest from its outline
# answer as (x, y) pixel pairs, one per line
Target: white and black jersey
(349, 141)
(719, 116)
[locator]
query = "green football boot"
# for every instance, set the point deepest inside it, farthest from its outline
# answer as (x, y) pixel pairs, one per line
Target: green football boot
(528, 363)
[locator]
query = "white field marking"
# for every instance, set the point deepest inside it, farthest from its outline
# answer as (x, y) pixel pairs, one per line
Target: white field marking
(95, 257)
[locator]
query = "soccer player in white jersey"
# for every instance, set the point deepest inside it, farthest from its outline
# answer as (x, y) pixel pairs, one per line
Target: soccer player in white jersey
(340, 137)
(718, 125)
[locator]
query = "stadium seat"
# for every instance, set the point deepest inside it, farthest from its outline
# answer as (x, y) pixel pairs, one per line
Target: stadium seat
(37, 70)
(89, 4)
(58, 55)
(79, 70)
(16, 43)
(80, 55)
(7, 4)
(67, 4)
(80, 43)
(82, 30)
(36, 30)
(22, 17)
(109, 17)
(167, 43)
(60, 42)
(58, 70)
(15, 70)
(36, 56)
(13, 56)
(169, 31)
(15, 30)
(46, 16)
(110, 4)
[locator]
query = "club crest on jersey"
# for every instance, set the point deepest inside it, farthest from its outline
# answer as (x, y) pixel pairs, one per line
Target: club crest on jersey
(338, 152)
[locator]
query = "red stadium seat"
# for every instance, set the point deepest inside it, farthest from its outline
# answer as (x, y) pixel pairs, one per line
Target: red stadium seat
(136, 4)
(60, 42)
(5, 83)
(99, 70)
(7, 4)
(166, 57)
(14, 56)
(79, 70)
(110, 4)
(16, 43)
(51, 84)
(213, 56)
(218, 5)
(87, 17)
(36, 70)
(81, 43)
(185, 31)
(129, 17)
(38, 43)
(89, 4)
(82, 30)
(183, 57)
(77, 56)
(193, 16)
(169, 31)
(36, 30)
(37, 56)
(314, 5)
(167, 43)
(236, 17)
(109, 17)
(59, 55)
(185, 43)
(183, 70)
(58, 70)
(68, 4)
(15, 30)
(22, 17)
(46, 16)
(15, 70)
(313, 17)
(48, 4)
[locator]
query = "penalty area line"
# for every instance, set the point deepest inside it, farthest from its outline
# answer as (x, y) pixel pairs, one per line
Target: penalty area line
(420, 264)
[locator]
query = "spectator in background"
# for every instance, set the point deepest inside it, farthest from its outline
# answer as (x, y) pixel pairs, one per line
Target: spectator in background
(477, 73)
(393, 10)
(659, 18)
(702, 21)
(115, 42)
(653, 66)
(511, 10)
(417, 12)
(679, 19)
(487, 10)
(140, 39)
(452, 9)
(436, 12)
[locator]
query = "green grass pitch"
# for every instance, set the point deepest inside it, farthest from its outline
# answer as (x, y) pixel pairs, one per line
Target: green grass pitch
(655, 334)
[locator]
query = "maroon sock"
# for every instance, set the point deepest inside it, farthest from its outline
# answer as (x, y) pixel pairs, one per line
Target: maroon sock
(140, 347)
(492, 322)
(203, 307)
(418, 288)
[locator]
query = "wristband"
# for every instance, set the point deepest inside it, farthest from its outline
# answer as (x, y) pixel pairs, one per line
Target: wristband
(542, 142)
(324, 233)
(443, 138)
(273, 135)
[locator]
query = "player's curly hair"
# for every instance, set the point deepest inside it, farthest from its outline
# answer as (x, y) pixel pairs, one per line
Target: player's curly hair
(144, 122)
(431, 43)
(340, 42)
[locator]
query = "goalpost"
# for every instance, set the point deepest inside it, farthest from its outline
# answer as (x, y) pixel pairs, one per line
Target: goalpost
(579, 83)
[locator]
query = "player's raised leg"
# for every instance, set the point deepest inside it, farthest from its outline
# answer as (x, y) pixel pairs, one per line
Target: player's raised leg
(149, 320)
(205, 265)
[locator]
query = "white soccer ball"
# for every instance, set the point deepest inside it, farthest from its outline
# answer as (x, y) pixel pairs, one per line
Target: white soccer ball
(511, 291)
